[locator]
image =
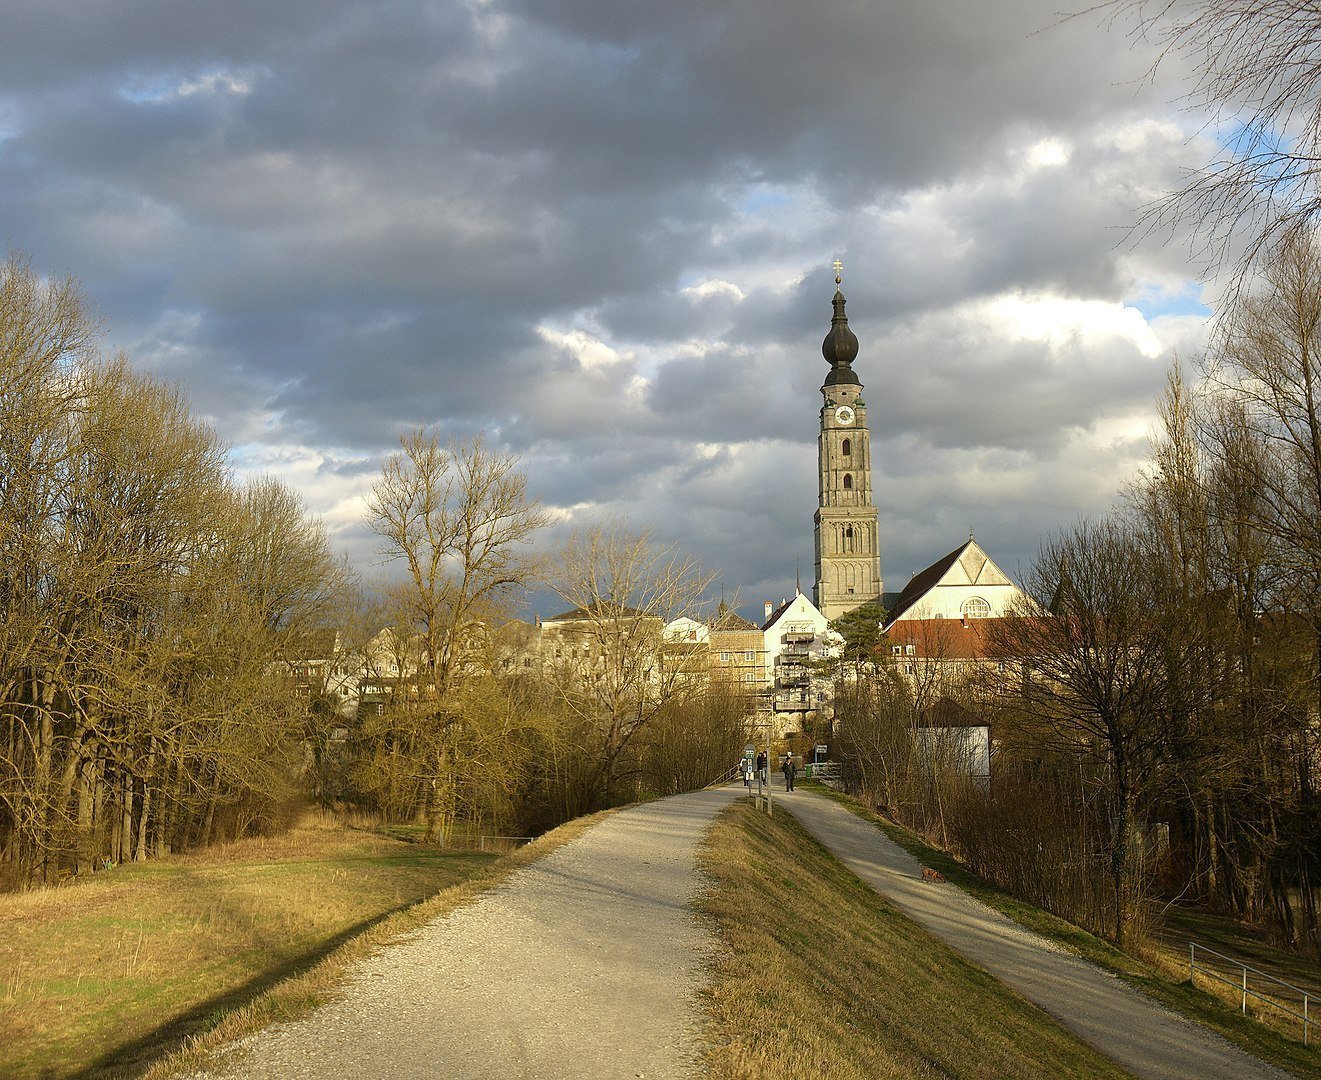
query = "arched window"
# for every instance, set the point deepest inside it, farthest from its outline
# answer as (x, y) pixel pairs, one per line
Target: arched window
(847, 448)
(975, 608)
(848, 539)
(848, 482)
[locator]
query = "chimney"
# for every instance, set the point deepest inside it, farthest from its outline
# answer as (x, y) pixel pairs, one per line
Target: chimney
(769, 608)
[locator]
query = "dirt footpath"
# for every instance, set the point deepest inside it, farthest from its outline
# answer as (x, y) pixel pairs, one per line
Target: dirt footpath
(1121, 1023)
(583, 964)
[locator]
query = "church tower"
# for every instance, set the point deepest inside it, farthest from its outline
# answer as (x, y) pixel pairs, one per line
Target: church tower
(848, 551)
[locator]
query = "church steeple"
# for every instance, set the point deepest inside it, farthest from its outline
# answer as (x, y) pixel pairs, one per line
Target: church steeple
(848, 559)
(840, 347)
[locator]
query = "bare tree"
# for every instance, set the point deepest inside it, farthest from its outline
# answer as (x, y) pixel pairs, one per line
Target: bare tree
(1261, 437)
(615, 671)
(460, 518)
(1254, 69)
(1096, 676)
(141, 598)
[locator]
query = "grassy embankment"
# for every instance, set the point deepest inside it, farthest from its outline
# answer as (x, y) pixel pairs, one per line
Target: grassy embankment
(819, 976)
(113, 973)
(1161, 971)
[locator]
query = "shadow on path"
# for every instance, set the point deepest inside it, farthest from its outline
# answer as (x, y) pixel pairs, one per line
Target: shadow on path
(133, 1058)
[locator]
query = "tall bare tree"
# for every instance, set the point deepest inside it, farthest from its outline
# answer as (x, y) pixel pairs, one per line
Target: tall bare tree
(1097, 675)
(1253, 68)
(616, 673)
(460, 519)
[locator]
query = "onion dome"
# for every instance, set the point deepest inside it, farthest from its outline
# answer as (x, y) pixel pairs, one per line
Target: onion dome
(840, 347)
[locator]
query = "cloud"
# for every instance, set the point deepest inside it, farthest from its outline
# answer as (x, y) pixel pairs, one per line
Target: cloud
(603, 233)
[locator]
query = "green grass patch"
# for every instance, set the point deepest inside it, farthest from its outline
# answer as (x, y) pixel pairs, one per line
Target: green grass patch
(106, 974)
(819, 976)
(1161, 973)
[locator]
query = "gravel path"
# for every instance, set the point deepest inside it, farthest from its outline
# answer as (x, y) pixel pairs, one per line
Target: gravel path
(1121, 1023)
(583, 964)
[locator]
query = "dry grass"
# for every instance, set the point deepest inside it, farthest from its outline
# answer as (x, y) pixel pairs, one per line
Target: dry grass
(818, 976)
(105, 976)
(1169, 952)
(1159, 971)
(297, 996)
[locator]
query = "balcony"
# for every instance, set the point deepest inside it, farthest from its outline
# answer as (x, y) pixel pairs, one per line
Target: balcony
(798, 702)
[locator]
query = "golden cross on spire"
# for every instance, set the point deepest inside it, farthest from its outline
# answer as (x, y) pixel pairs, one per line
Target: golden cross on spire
(839, 272)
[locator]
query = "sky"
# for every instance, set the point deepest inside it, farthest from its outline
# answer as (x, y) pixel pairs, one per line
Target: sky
(601, 232)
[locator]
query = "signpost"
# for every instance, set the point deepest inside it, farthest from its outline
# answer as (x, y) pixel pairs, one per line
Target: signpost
(763, 774)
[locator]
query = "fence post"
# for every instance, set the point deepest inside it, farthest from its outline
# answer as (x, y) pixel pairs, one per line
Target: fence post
(1192, 962)
(1245, 991)
(1305, 1021)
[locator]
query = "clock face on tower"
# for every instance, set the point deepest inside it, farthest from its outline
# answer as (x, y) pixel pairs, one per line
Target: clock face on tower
(844, 415)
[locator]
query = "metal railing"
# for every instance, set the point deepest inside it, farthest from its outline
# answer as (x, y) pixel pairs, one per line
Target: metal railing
(729, 774)
(1245, 991)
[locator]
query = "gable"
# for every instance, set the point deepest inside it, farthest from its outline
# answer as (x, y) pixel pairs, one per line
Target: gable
(940, 589)
(974, 567)
(798, 610)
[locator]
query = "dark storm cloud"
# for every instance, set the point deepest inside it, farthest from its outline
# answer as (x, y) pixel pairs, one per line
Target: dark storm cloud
(602, 231)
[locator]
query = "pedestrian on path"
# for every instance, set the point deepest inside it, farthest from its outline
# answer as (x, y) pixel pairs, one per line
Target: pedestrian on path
(761, 766)
(790, 770)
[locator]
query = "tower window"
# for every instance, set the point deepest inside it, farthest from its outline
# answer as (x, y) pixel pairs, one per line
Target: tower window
(847, 448)
(848, 482)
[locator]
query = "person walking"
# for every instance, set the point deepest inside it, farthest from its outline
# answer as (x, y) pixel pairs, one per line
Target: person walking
(790, 770)
(761, 767)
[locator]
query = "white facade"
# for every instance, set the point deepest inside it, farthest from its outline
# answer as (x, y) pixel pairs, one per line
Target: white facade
(796, 619)
(966, 750)
(684, 629)
(797, 636)
(965, 584)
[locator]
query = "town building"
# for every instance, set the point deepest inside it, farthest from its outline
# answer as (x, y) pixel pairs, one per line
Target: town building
(798, 640)
(738, 651)
(965, 585)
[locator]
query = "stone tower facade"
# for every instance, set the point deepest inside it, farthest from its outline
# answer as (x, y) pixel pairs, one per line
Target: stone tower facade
(848, 550)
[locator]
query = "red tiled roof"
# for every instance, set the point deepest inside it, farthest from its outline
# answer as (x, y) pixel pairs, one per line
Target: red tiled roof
(602, 609)
(941, 639)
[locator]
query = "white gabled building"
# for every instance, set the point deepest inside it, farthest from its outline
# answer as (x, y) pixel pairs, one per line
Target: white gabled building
(965, 585)
(797, 634)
